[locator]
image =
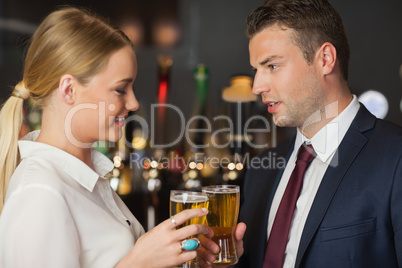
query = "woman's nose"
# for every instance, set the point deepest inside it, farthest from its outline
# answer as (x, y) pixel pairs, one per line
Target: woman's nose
(131, 101)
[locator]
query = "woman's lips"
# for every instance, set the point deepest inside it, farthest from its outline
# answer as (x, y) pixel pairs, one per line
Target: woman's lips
(120, 121)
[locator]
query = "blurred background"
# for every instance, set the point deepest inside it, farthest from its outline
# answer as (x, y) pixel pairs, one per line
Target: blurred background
(194, 73)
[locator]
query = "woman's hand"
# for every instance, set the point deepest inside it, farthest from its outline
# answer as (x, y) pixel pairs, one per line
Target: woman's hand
(204, 253)
(161, 246)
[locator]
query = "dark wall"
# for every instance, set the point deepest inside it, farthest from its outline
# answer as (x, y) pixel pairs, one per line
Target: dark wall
(213, 34)
(374, 29)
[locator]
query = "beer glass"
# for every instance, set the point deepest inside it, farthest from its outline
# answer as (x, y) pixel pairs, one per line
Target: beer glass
(181, 200)
(224, 202)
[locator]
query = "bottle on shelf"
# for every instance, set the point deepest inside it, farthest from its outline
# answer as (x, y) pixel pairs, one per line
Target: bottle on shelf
(121, 175)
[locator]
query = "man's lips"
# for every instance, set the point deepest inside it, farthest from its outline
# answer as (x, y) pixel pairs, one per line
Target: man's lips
(272, 106)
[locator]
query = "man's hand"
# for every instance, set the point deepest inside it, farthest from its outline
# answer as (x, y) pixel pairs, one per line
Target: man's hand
(205, 253)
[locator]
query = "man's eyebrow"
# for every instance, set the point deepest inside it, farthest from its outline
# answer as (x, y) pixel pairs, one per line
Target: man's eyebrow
(269, 59)
(266, 61)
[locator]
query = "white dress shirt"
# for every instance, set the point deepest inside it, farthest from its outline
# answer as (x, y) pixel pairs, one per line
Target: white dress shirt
(60, 213)
(325, 144)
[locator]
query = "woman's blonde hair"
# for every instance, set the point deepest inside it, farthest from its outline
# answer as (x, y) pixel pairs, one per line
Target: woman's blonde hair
(69, 41)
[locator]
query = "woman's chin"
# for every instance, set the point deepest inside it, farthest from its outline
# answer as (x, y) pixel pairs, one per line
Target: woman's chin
(116, 135)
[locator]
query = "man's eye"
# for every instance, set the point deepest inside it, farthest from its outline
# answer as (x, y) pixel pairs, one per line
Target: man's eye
(272, 67)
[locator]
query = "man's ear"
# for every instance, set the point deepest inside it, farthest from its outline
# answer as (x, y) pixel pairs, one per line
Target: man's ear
(327, 58)
(66, 88)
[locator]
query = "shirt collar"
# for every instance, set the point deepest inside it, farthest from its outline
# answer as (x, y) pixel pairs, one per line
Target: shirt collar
(74, 167)
(327, 140)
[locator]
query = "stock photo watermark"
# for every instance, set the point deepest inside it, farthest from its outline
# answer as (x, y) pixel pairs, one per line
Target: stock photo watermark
(269, 161)
(232, 130)
(243, 129)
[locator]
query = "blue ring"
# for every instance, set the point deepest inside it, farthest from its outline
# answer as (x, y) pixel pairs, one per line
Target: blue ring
(190, 244)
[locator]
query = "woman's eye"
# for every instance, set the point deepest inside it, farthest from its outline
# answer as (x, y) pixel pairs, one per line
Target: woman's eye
(121, 91)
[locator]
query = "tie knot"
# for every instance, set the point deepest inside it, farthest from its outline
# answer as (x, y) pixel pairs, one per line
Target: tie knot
(306, 153)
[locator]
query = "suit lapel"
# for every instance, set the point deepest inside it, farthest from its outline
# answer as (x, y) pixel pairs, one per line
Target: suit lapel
(347, 151)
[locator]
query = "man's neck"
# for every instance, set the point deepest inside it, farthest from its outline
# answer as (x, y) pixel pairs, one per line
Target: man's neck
(319, 120)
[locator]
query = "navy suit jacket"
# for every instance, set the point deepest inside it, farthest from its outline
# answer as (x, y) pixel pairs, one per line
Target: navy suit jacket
(356, 217)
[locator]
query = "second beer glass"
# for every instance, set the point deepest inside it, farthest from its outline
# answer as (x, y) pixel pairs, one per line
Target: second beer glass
(224, 202)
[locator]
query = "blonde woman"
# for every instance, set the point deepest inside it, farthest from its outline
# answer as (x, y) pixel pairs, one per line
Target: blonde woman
(57, 209)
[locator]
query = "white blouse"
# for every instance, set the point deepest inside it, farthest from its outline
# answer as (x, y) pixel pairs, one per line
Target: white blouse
(60, 213)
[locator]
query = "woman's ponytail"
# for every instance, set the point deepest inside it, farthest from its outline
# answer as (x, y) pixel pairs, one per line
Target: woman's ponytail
(11, 117)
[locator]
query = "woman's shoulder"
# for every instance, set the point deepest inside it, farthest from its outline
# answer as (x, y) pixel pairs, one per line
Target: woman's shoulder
(38, 169)
(37, 174)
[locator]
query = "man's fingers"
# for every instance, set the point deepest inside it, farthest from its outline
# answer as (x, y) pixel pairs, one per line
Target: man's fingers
(239, 234)
(240, 230)
(205, 257)
(209, 244)
(204, 264)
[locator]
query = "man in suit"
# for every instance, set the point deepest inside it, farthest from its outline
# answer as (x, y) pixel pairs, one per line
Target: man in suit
(348, 212)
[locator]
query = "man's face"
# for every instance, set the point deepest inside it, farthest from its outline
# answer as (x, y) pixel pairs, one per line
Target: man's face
(287, 83)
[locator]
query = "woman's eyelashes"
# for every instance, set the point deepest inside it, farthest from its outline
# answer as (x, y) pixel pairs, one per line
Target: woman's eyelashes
(120, 91)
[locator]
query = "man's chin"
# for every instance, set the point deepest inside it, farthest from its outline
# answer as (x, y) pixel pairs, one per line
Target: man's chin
(280, 121)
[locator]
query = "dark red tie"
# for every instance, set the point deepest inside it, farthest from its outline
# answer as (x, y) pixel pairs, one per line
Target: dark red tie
(275, 252)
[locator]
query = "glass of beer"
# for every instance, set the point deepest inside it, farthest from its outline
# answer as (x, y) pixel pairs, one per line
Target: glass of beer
(181, 200)
(224, 202)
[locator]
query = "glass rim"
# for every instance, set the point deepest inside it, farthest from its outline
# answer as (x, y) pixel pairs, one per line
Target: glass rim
(186, 192)
(183, 196)
(218, 188)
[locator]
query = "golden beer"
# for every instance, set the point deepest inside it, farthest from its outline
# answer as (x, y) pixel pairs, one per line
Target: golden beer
(224, 202)
(182, 200)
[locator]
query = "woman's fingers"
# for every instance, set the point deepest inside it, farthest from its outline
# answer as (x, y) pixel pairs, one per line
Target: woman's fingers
(193, 229)
(187, 256)
(189, 230)
(185, 215)
(163, 244)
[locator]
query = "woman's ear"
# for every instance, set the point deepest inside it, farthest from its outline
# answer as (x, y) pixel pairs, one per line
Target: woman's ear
(66, 88)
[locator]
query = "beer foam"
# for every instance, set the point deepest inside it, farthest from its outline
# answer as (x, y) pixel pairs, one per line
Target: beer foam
(221, 191)
(186, 198)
